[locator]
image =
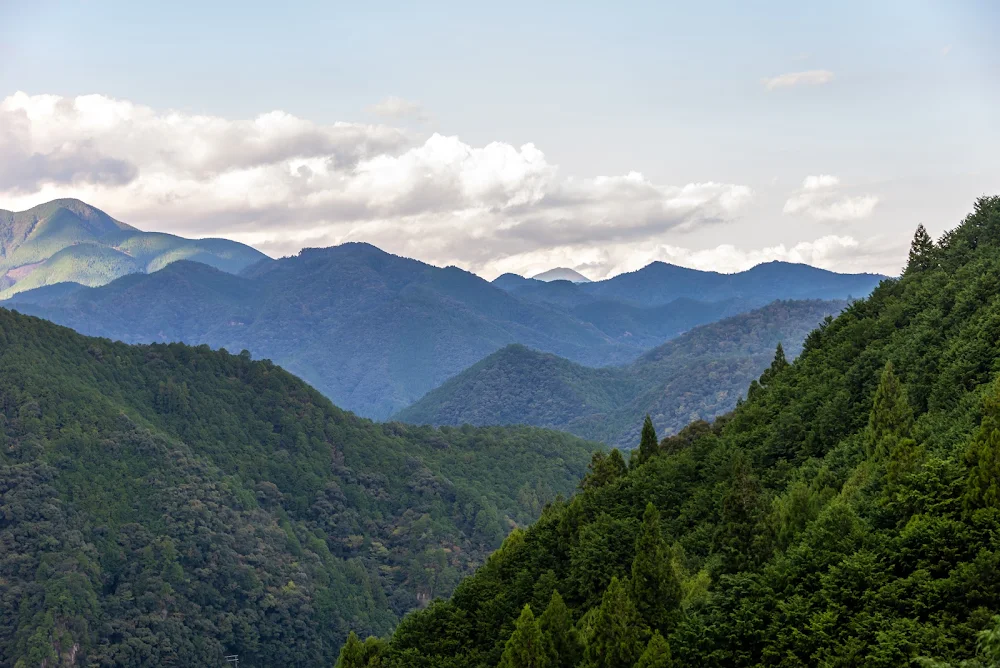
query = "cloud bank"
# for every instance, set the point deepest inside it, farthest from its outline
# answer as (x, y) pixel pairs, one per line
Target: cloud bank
(821, 198)
(281, 183)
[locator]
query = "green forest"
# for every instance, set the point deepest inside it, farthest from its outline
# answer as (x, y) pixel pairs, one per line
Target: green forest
(170, 505)
(846, 513)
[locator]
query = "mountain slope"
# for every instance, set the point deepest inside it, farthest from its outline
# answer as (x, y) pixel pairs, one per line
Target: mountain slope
(696, 376)
(846, 514)
(169, 504)
(68, 240)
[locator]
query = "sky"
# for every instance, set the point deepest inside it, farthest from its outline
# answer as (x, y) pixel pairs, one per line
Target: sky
(512, 136)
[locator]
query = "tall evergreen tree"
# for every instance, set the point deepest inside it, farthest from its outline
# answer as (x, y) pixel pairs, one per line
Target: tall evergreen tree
(603, 469)
(654, 586)
(657, 654)
(525, 648)
(648, 444)
(357, 654)
(921, 251)
(982, 456)
(891, 418)
(779, 363)
(562, 642)
(619, 633)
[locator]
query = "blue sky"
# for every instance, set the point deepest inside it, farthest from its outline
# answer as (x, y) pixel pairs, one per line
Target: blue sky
(896, 103)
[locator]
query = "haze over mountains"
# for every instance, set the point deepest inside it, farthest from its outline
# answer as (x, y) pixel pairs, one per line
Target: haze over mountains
(375, 332)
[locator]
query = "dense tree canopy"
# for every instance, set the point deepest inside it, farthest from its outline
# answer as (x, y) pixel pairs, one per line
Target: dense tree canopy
(846, 513)
(170, 505)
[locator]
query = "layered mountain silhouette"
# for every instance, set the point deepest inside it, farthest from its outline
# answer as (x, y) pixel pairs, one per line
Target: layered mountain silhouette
(67, 240)
(696, 376)
(371, 330)
(561, 274)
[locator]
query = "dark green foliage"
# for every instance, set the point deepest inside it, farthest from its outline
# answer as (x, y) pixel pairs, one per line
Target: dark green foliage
(525, 647)
(654, 587)
(657, 654)
(165, 504)
(922, 251)
(696, 376)
(67, 241)
(648, 445)
(844, 514)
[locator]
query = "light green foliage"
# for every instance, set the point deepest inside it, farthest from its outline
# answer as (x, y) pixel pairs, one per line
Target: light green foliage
(525, 648)
(618, 633)
(657, 654)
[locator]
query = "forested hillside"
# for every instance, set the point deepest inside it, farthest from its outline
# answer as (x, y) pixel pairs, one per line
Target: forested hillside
(165, 504)
(696, 376)
(846, 514)
(68, 241)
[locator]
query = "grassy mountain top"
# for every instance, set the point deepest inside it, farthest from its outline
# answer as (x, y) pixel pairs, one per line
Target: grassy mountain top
(69, 240)
(846, 513)
(164, 504)
(696, 376)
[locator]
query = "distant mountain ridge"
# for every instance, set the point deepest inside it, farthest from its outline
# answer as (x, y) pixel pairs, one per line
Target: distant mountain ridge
(695, 376)
(659, 283)
(67, 240)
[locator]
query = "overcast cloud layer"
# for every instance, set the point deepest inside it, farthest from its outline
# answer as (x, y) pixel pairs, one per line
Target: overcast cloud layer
(281, 183)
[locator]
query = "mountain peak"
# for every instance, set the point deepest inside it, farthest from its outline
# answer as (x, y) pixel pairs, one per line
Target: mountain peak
(561, 274)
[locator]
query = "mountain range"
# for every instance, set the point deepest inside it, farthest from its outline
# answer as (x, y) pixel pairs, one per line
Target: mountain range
(69, 241)
(375, 332)
(696, 376)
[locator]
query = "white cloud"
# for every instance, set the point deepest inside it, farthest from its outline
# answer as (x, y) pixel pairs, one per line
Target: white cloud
(281, 183)
(807, 78)
(821, 198)
(394, 107)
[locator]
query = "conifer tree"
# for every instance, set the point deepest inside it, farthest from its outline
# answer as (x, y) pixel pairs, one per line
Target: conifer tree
(777, 365)
(654, 586)
(525, 648)
(357, 654)
(604, 468)
(562, 642)
(657, 654)
(891, 418)
(619, 633)
(648, 444)
(983, 458)
(921, 251)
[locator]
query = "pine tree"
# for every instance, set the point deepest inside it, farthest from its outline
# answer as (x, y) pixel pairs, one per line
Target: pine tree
(657, 654)
(562, 642)
(982, 456)
(779, 363)
(619, 632)
(357, 654)
(525, 648)
(603, 469)
(891, 418)
(654, 586)
(921, 251)
(648, 445)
